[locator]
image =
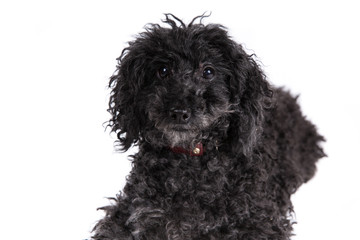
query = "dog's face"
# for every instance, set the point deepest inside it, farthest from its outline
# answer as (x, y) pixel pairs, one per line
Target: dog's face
(175, 86)
(186, 91)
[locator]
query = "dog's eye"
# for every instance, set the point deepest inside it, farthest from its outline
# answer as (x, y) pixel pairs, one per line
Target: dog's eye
(208, 73)
(163, 72)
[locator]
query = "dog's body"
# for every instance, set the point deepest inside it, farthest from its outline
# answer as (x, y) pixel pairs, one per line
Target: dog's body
(220, 151)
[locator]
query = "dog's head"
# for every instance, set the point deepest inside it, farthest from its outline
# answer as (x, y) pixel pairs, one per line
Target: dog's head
(182, 84)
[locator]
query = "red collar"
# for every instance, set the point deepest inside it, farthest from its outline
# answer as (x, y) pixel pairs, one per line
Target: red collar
(198, 150)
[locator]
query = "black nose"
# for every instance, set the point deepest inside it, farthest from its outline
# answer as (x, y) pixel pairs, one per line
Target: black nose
(180, 115)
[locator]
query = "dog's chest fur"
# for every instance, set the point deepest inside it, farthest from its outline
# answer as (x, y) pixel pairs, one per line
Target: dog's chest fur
(190, 196)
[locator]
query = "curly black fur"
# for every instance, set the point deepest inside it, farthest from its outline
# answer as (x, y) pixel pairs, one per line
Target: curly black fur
(186, 84)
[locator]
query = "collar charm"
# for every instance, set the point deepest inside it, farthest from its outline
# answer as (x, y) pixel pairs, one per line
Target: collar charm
(198, 150)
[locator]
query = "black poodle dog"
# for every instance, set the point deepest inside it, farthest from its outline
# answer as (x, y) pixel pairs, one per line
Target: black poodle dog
(221, 151)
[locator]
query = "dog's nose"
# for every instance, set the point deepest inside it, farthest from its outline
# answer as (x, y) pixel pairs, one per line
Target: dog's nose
(181, 116)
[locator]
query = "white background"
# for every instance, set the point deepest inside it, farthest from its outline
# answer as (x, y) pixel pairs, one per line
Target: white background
(57, 162)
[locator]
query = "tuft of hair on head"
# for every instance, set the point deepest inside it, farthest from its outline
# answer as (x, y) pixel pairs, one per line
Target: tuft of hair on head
(176, 22)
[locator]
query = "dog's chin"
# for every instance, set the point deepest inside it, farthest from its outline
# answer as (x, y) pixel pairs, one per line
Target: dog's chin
(181, 137)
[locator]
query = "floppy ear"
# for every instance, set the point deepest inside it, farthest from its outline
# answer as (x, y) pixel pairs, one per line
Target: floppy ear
(251, 96)
(127, 116)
